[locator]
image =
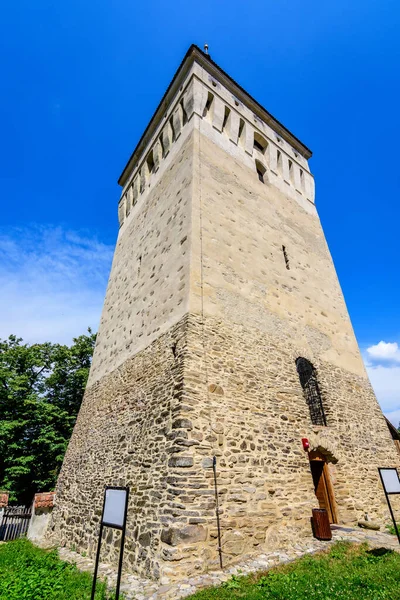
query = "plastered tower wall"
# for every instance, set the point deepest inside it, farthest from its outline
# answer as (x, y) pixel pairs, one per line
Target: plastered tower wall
(200, 330)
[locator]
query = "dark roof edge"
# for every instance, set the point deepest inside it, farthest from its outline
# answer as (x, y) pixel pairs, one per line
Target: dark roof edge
(395, 433)
(193, 49)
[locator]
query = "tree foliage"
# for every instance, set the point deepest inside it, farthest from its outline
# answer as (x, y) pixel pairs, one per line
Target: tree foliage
(41, 389)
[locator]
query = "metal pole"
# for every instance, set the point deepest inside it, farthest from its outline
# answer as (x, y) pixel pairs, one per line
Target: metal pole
(217, 511)
(389, 505)
(392, 515)
(97, 563)
(121, 555)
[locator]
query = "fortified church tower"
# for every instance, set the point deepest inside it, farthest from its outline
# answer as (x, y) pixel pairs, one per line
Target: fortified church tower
(224, 333)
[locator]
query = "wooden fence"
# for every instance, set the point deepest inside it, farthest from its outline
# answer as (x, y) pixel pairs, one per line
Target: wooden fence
(15, 522)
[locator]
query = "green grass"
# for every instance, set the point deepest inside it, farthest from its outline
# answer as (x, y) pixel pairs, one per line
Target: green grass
(29, 573)
(390, 528)
(347, 572)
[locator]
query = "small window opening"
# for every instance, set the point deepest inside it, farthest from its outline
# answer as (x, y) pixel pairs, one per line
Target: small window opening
(260, 143)
(173, 348)
(150, 162)
(171, 123)
(291, 172)
(302, 179)
(162, 145)
(260, 171)
(279, 161)
(184, 114)
(208, 105)
(241, 131)
(285, 256)
(226, 117)
(309, 383)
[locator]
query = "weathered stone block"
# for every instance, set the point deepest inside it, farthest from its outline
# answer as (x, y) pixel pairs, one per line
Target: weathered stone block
(183, 535)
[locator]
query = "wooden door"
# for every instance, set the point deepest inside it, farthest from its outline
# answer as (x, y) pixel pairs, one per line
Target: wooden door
(323, 486)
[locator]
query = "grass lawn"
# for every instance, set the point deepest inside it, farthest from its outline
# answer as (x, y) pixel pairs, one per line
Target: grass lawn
(348, 572)
(29, 573)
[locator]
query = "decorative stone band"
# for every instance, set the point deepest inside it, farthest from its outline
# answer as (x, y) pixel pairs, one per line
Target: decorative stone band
(4, 499)
(44, 500)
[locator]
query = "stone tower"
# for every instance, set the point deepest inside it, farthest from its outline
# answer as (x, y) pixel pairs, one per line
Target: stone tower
(224, 333)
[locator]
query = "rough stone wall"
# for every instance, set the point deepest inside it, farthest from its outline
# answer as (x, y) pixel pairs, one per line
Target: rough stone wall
(125, 435)
(245, 405)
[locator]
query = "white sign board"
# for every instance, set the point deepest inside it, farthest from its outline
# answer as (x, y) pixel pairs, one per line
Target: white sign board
(114, 507)
(390, 479)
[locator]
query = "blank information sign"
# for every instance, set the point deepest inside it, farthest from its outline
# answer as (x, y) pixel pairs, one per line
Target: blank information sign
(114, 507)
(390, 480)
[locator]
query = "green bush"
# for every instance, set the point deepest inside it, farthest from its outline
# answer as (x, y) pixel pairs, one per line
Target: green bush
(347, 572)
(30, 573)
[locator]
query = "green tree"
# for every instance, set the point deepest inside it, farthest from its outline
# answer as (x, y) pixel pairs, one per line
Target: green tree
(41, 389)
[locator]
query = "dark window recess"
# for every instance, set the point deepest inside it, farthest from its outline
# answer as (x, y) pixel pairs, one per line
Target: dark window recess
(279, 160)
(260, 143)
(226, 117)
(162, 145)
(171, 122)
(241, 129)
(184, 114)
(285, 256)
(260, 171)
(150, 162)
(207, 107)
(309, 383)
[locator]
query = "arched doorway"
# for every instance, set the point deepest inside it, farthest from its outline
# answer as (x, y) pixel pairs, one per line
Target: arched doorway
(323, 484)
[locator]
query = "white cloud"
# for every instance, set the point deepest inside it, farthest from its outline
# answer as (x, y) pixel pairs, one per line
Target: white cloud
(387, 351)
(382, 364)
(52, 283)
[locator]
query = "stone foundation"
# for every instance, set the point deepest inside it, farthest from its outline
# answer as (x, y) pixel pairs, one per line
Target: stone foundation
(156, 422)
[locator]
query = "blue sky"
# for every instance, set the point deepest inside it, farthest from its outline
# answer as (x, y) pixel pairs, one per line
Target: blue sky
(80, 81)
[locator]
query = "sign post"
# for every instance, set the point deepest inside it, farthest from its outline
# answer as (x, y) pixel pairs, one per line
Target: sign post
(115, 508)
(391, 485)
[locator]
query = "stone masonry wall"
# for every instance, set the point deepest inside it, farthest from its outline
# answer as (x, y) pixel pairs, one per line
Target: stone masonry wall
(125, 435)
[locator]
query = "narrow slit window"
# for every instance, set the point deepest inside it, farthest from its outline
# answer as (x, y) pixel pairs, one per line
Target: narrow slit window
(208, 105)
(260, 143)
(260, 171)
(312, 394)
(291, 172)
(302, 179)
(285, 256)
(279, 161)
(162, 145)
(226, 118)
(184, 114)
(150, 162)
(171, 123)
(241, 131)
